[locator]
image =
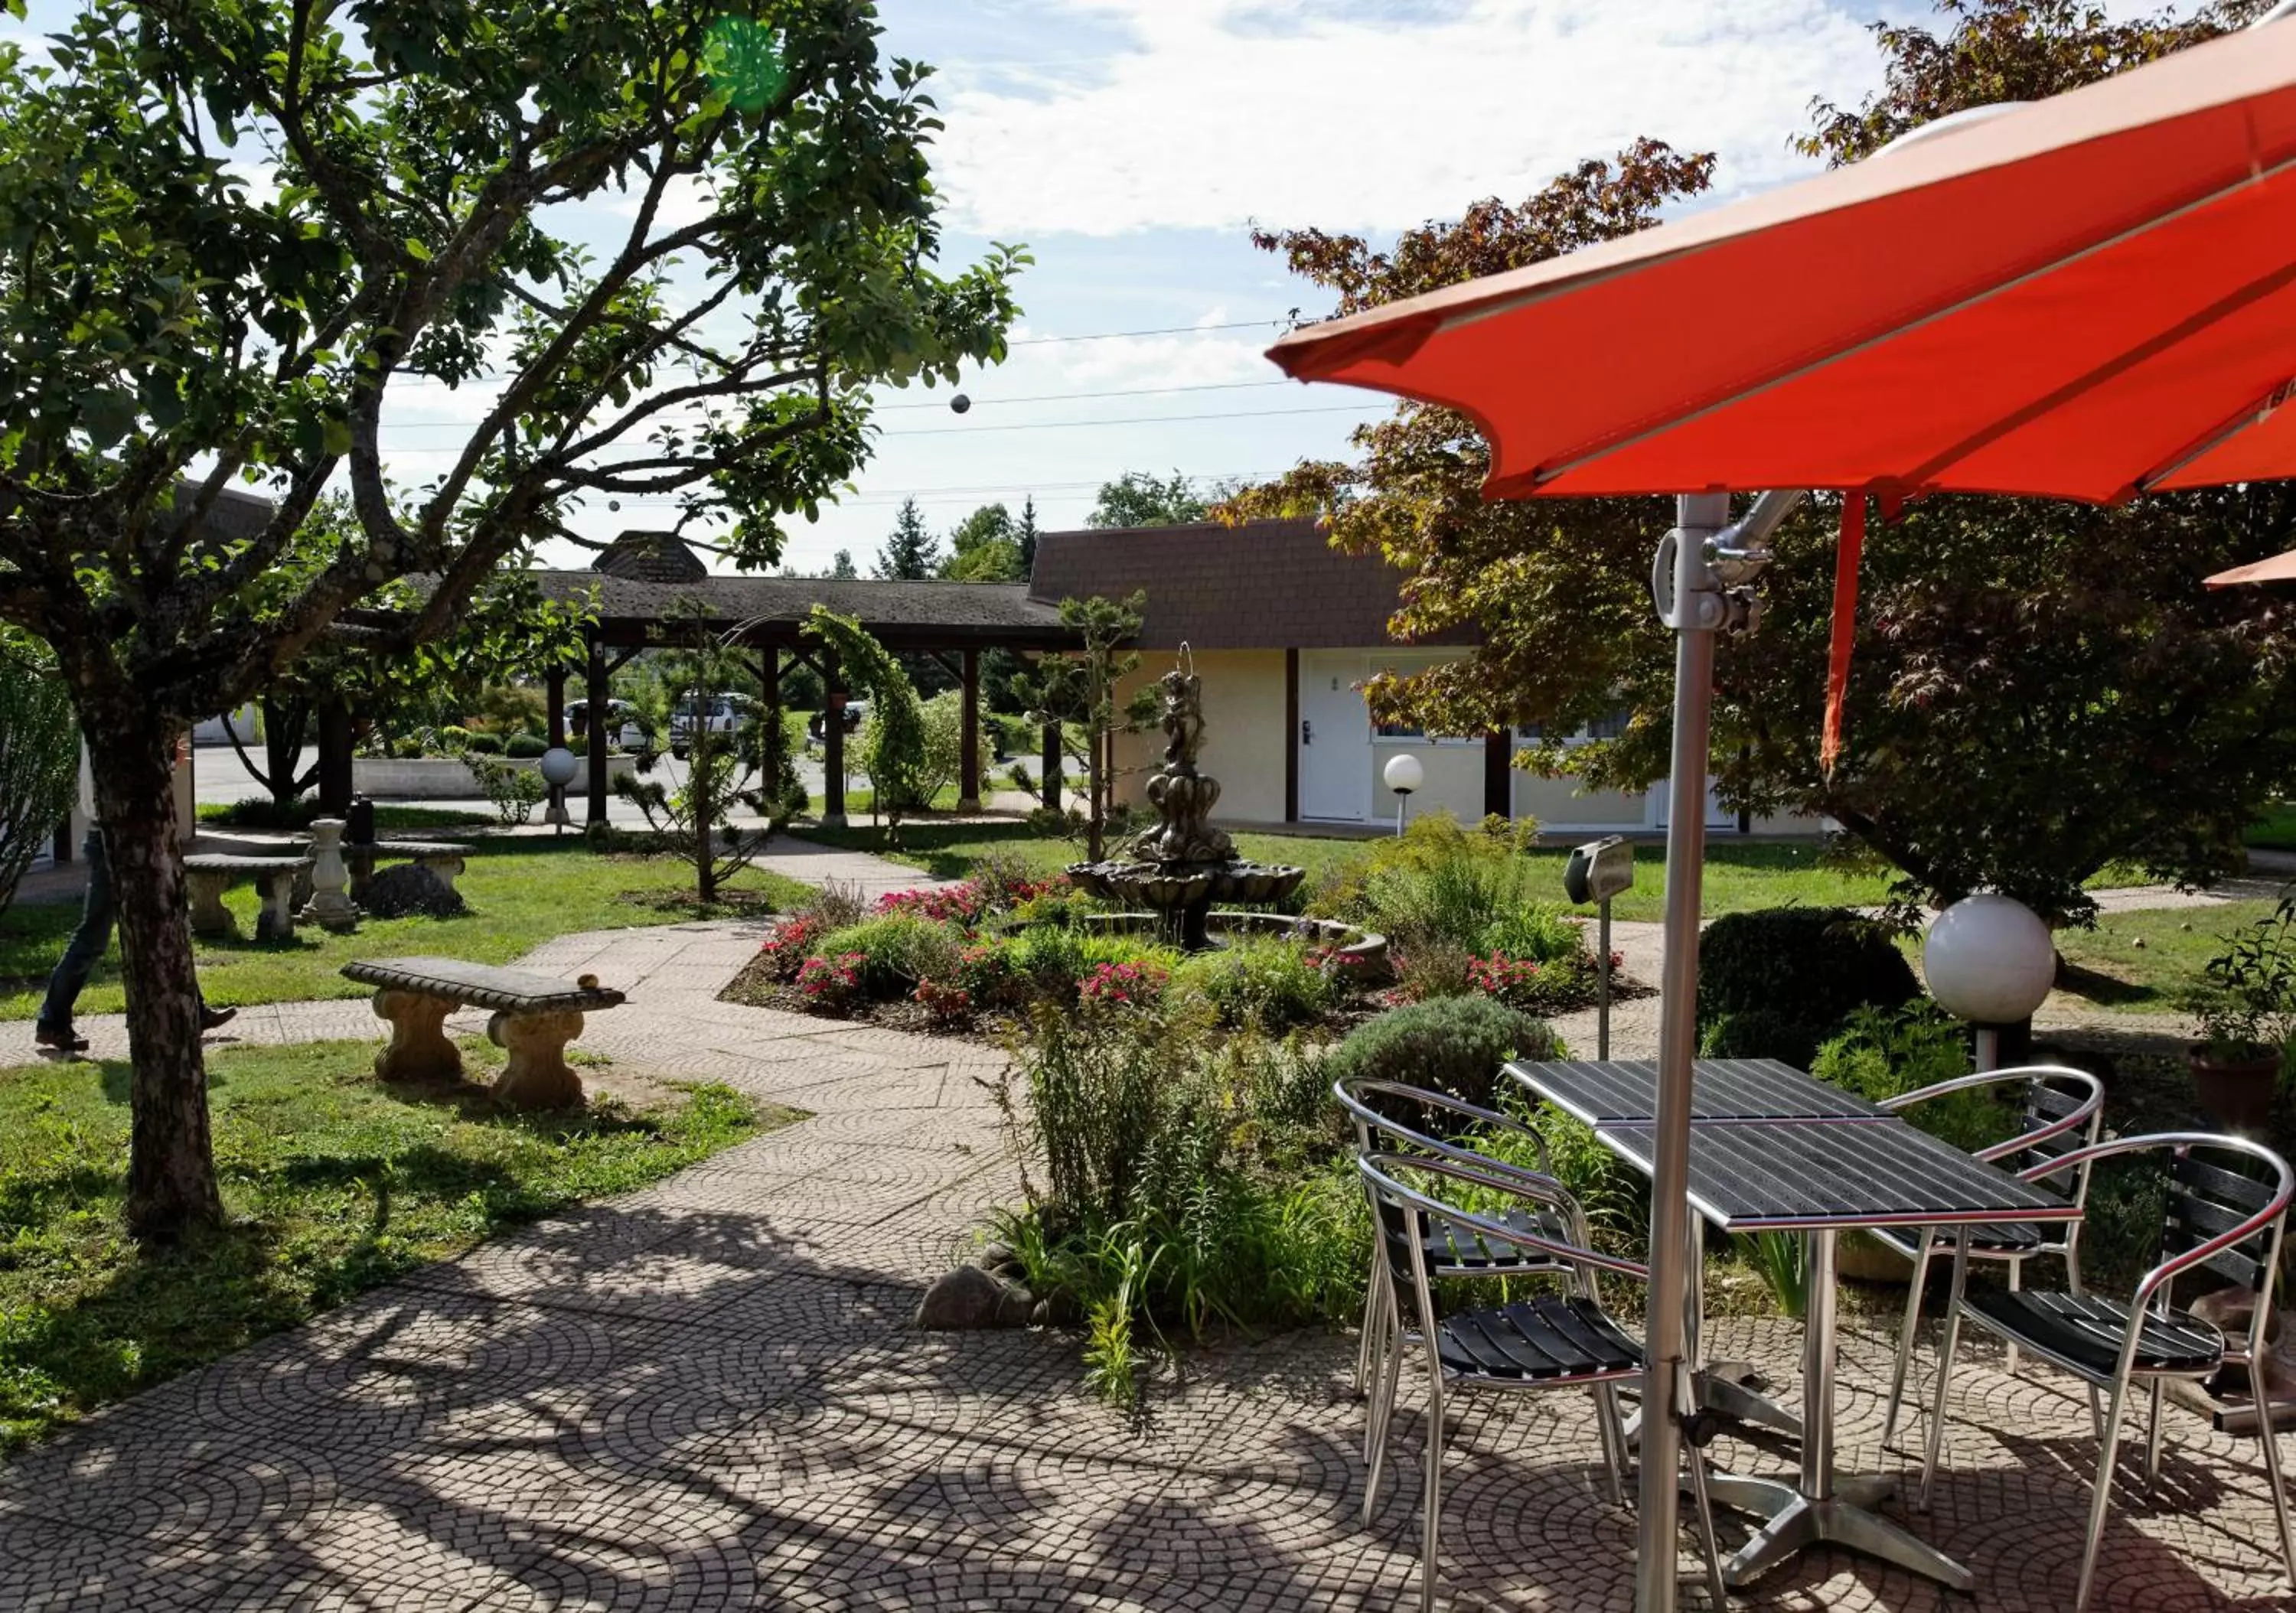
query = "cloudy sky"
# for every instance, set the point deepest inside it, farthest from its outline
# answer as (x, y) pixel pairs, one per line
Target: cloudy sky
(1129, 145)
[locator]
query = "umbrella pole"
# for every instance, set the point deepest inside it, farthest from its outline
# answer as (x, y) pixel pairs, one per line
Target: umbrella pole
(1698, 517)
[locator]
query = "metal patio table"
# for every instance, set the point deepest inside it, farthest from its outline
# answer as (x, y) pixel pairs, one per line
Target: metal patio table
(1624, 1092)
(1820, 1176)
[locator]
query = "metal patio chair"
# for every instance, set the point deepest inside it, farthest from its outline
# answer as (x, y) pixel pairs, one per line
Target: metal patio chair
(1395, 1118)
(2224, 1219)
(1545, 1342)
(2064, 1109)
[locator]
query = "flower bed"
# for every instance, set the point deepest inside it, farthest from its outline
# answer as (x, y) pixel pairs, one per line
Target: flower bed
(977, 955)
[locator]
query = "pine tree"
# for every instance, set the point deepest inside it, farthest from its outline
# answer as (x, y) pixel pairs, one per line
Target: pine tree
(912, 552)
(1027, 534)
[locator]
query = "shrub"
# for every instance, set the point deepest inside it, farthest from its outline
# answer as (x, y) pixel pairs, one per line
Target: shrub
(961, 904)
(788, 943)
(1532, 986)
(832, 982)
(942, 764)
(947, 1003)
(526, 747)
(1805, 969)
(1432, 970)
(835, 902)
(1453, 1044)
(1130, 983)
(262, 812)
(1538, 931)
(985, 971)
(481, 744)
(1267, 986)
(897, 951)
(39, 768)
(515, 791)
(1882, 1052)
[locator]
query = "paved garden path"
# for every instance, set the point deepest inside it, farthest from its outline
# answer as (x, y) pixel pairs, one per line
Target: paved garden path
(706, 1395)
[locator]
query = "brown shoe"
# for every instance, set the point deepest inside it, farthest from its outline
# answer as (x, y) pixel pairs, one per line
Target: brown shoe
(65, 1040)
(216, 1019)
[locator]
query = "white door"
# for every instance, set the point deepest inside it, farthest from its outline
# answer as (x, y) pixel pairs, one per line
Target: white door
(1661, 801)
(1334, 737)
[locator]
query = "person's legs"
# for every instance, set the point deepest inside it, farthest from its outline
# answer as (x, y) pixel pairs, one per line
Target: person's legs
(54, 1025)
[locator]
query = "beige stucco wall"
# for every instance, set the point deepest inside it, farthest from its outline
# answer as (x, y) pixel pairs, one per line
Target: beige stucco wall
(1245, 734)
(1559, 801)
(1454, 779)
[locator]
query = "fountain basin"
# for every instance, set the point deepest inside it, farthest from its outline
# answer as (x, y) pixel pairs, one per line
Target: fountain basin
(1183, 893)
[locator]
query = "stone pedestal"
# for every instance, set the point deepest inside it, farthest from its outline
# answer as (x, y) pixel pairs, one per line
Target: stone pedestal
(330, 906)
(419, 1049)
(537, 1076)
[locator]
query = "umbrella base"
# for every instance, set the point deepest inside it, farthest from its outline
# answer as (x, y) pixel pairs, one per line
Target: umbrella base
(1797, 1522)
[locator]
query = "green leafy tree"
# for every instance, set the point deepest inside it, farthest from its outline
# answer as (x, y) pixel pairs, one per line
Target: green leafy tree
(842, 567)
(768, 257)
(911, 552)
(2039, 691)
(1138, 499)
(1078, 692)
(893, 749)
(39, 757)
(985, 547)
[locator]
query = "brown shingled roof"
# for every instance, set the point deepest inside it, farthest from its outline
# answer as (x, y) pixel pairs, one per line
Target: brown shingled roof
(1267, 585)
(903, 615)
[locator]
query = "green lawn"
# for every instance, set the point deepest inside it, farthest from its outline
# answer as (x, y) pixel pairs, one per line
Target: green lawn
(1738, 876)
(522, 892)
(2276, 829)
(2105, 966)
(333, 1183)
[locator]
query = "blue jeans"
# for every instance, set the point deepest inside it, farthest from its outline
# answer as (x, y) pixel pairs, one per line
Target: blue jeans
(85, 948)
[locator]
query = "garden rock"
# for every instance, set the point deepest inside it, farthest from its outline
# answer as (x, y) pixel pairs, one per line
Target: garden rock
(969, 1298)
(410, 889)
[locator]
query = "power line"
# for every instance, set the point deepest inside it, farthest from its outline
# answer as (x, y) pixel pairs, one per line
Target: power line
(1068, 425)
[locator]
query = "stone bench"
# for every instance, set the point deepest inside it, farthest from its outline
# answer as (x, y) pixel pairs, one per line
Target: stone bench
(442, 857)
(535, 1017)
(211, 873)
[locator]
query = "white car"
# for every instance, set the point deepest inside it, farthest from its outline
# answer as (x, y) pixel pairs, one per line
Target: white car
(718, 714)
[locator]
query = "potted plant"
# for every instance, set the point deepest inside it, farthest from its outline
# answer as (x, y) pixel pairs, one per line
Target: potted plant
(2247, 1013)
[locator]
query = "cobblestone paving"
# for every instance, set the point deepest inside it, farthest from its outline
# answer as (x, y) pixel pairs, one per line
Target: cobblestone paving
(706, 1395)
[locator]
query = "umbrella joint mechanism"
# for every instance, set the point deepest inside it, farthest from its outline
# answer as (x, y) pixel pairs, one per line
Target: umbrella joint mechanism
(1703, 580)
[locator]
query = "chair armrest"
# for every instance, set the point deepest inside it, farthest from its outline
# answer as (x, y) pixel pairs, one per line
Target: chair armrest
(1518, 1185)
(1353, 1102)
(2023, 1139)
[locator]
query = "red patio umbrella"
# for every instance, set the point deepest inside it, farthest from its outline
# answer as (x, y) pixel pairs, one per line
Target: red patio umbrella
(2089, 297)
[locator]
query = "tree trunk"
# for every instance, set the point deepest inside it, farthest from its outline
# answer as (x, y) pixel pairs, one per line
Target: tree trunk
(171, 1180)
(1095, 821)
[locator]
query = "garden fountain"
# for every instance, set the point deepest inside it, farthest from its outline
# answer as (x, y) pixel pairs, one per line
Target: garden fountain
(1178, 869)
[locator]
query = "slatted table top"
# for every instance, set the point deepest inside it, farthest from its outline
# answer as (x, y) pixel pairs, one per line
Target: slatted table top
(481, 984)
(1624, 1092)
(1805, 1175)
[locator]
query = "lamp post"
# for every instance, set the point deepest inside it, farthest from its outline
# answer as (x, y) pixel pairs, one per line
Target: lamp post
(558, 766)
(1990, 960)
(1404, 775)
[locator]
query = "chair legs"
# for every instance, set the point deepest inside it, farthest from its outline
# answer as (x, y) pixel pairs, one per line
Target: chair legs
(1906, 1329)
(1945, 1348)
(1374, 1319)
(1431, 1522)
(2016, 1281)
(2272, 1477)
(1383, 1412)
(2101, 1499)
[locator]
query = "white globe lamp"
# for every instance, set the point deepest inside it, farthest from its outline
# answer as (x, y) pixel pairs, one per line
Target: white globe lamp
(1402, 775)
(558, 765)
(1990, 960)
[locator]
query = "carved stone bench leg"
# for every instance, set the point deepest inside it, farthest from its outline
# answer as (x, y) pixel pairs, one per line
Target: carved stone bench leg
(276, 922)
(419, 1049)
(537, 1076)
(209, 916)
(446, 867)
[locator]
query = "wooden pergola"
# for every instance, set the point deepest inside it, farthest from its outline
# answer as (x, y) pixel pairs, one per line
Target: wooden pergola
(950, 622)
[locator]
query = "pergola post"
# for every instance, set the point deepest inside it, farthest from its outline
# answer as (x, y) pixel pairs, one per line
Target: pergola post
(833, 741)
(968, 787)
(596, 724)
(1052, 767)
(555, 684)
(335, 758)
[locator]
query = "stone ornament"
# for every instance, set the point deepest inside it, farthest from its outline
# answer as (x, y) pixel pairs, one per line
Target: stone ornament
(330, 906)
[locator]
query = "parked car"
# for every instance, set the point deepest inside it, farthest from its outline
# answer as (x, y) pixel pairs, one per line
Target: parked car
(622, 722)
(816, 725)
(720, 713)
